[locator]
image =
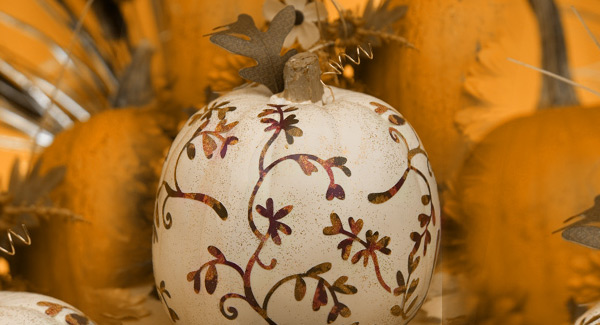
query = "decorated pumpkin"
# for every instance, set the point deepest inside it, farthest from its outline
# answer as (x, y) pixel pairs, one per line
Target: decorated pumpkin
(30, 308)
(294, 204)
(518, 186)
(457, 84)
(112, 167)
(591, 317)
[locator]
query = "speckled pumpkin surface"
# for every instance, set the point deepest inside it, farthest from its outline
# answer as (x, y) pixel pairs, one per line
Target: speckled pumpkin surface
(18, 308)
(277, 212)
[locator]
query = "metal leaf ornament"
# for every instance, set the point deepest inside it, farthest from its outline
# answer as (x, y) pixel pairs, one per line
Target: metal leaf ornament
(26, 203)
(264, 47)
(382, 17)
(583, 232)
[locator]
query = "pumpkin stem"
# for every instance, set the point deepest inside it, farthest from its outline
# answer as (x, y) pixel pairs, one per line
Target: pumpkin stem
(554, 56)
(302, 77)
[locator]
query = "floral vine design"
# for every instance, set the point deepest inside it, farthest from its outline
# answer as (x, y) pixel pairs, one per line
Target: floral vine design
(209, 146)
(407, 285)
(371, 244)
(285, 123)
(71, 319)
(162, 291)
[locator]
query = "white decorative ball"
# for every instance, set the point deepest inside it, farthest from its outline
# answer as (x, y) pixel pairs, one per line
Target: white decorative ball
(276, 212)
(25, 308)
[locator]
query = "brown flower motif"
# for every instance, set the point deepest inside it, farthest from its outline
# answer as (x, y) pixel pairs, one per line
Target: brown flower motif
(275, 226)
(286, 124)
(221, 108)
(373, 246)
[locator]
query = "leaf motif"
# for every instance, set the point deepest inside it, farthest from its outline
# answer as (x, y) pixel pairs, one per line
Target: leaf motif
(346, 170)
(584, 235)
(411, 289)
(335, 191)
(338, 161)
(291, 132)
(412, 304)
(413, 266)
(173, 314)
(215, 252)
(192, 276)
(362, 253)
(76, 319)
(320, 297)
(264, 47)
(281, 213)
(201, 127)
(228, 127)
(346, 247)
(299, 289)
(220, 126)
(307, 167)
(319, 269)
(383, 243)
(290, 109)
(228, 142)
(191, 151)
(344, 310)
(336, 225)
(396, 119)
(400, 279)
(401, 289)
(211, 279)
(415, 236)
(427, 242)
(209, 145)
(267, 111)
(340, 286)
(423, 219)
(397, 311)
(426, 199)
(53, 309)
(379, 109)
(162, 285)
(223, 111)
(355, 226)
(333, 314)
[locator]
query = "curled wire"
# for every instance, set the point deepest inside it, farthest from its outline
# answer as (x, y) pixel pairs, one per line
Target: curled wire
(338, 66)
(26, 239)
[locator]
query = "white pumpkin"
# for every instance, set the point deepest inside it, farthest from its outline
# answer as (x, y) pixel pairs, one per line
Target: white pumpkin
(27, 308)
(272, 211)
(591, 317)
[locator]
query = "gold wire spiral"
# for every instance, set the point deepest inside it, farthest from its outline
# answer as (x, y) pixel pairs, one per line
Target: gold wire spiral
(338, 66)
(11, 233)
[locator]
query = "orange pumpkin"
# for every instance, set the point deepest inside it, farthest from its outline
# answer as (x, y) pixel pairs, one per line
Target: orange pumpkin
(113, 162)
(518, 186)
(458, 84)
